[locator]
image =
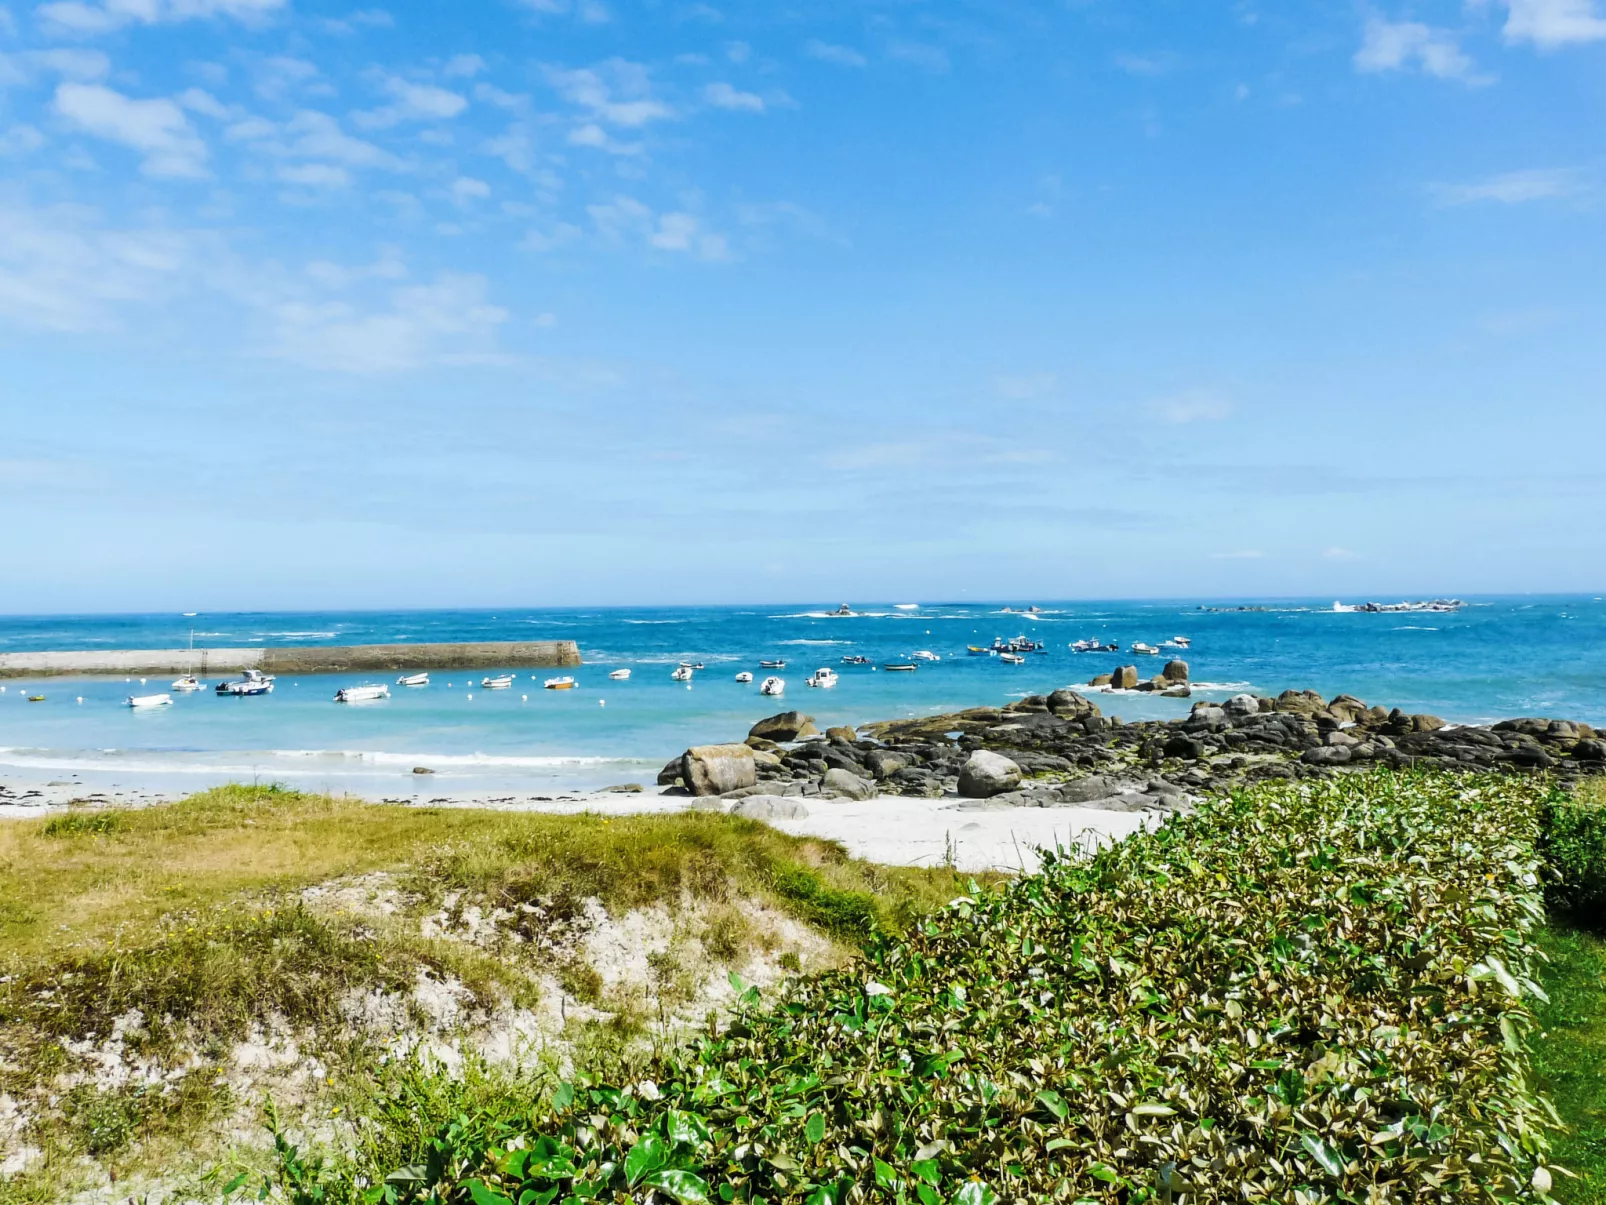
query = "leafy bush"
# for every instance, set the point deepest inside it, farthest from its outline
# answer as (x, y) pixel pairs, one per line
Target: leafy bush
(1573, 843)
(1310, 992)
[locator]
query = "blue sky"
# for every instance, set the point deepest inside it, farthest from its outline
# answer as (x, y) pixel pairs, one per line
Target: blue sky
(551, 301)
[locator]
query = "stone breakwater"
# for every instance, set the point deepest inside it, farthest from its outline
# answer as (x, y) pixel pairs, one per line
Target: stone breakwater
(1060, 750)
(315, 659)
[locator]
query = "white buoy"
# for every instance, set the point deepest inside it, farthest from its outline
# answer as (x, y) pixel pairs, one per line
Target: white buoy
(524, 698)
(602, 702)
(80, 698)
(471, 696)
(142, 681)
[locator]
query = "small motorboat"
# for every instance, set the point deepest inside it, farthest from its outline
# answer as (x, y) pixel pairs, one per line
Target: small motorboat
(150, 700)
(186, 684)
(500, 682)
(855, 659)
(413, 680)
(682, 673)
(1012, 658)
(1176, 642)
(251, 682)
(772, 686)
(744, 676)
(772, 665)
(36, 698)
(563, 683)
(1145, 650)
(900, 667)
(924, 655)
(976, 650)
(844, 609)
(823, 677)
(620, 675)
(361, 694)
(691, 665)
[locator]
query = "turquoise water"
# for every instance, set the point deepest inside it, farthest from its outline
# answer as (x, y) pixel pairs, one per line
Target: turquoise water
(1497, 657)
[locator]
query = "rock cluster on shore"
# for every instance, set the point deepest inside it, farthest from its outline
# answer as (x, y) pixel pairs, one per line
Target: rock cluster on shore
(1061, 750)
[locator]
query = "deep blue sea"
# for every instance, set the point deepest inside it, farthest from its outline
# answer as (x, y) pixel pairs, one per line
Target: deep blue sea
(1497, 657)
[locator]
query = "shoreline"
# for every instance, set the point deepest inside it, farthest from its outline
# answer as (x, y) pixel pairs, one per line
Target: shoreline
(297, 659)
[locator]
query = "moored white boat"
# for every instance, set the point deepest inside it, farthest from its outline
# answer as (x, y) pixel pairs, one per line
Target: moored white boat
(500, 682)
(924, 655)
(823, 677)
(413, 680)
(772, 664)
(744, 676)
(563, 683)
(150, 700)
(251, 682)
(1011, 658)
(772, 686)
(682, 673)
(1145, 650)
(620, 675)
(900, 667)
(361, 694)
(186, 684)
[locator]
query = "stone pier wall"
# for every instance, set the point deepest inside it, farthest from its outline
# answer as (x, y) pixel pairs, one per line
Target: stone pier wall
(306, 660)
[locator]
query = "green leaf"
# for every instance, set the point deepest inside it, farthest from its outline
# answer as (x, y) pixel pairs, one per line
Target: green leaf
(885, 1176)
(1056, 1144)
(480, 1195)
(974, 1192)
(532, 1197)
(814, 1131)
(413, 1173)
(563, 1097)
(1102, 1171)
(1331, 1162)
(680, 1126)
(686, 1187)
(234, 1184)
(927, 1170)
(927, 1194)
(1154, 1110)
(1054, 1103)
(651, 1153)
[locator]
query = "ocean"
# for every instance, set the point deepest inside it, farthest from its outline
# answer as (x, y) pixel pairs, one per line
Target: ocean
(1497, 657)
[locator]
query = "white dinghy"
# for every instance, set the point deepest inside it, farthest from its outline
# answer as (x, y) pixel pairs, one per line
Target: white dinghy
(142, 701)
(772, 686)
(361, 694)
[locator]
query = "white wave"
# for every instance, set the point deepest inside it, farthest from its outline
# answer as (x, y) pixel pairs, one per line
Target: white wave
(303, 635)
(649, 621)
(1410, 627)
(814, 642)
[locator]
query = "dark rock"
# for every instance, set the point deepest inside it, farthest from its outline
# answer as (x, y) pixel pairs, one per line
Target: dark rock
(788, 726)
(1300, 702)
(1426, 723)
(1322, 755)
(1101, 680)
(841, 735)
(1590, 750)
(1242, 705)
(1175, 672)
(670, 774)
(422, 770)
(625, 788)
(883, 763)
(1069, 705)
(1529, 756)
(1347, 708)
(845, 783)
(1184, 747)
(1125, 677)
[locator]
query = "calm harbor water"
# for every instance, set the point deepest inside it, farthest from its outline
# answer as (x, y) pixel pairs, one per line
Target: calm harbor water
(1497, 657)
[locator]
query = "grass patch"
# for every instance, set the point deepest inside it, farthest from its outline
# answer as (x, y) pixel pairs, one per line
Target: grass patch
(1573, 842)
(1570, 1058)
(1310, 992)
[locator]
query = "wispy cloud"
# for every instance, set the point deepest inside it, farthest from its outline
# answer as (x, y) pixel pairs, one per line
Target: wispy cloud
(78, 17)
(411, 102)
(625, 219)
(1512, 188)
(1192, 406)
(827, 52)
(1335, 553)
(156, 128)
(1549, 24)
(1401, 45)
(617, 92)
(920, 54)
(723, 96)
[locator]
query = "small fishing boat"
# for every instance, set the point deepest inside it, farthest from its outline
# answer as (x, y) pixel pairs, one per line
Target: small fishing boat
(976, 650)
(361, 694)
(844, 609)
(823, 677)
(924, 655)
(186, 684)
(772, 665)
(563, 683)
(250, 683)
(413, 680)
(772, 686)
(500, 682)
(1145, 650)
(1012, 658)
(900, 667)
(691, 665)
(36, 698)
(1176, 642)
(620, 675)
(855, 659)
(682, 673)
(744, 676)
(150, 700)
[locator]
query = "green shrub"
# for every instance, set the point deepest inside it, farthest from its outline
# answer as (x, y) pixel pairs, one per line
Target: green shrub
(1573, 844)
(82, 824)
(1310, 992)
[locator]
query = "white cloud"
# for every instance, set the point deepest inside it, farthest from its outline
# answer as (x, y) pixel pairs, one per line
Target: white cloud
(465, 66)
(24, 67)
(156, 128)
(1336, 553)
(592, 12)
(279, 74)
(1512, 188)
(1192, 406)
(412, 102)
(199, 101)
(1398, 45)
(625, 217)
(79, 17)
(826, 52)
(738, 52)
(1552, 23)
(315, 175)
(364, 18)
(559, 235)
(466, 188)
(315, 135)
(447, 322)
(61, 270)
(723, 96)
(8, 23)
(617, 92)
(20, 139)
